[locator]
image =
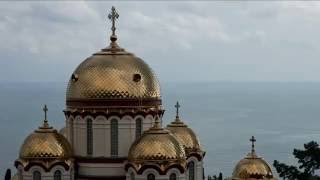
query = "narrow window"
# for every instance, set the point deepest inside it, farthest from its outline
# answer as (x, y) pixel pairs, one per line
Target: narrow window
(138, 128)
(89, 137)
(151, 177)
(132, 176)
(191, 171)
(36, 175)
(173, 176)
(114, 138)
(57, 175)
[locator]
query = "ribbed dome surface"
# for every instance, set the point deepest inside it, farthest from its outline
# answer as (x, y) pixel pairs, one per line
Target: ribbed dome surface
(252, 167)
(185, 135)
(113, 75)
(156, 145)
(45, 142)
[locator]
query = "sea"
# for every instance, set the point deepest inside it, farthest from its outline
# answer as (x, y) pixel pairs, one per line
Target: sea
(281, 115)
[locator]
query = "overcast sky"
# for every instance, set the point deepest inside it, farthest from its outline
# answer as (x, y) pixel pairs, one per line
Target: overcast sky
(181, 41)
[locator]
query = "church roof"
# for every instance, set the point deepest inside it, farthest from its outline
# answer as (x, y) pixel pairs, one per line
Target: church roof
(157, 146)
(252, 167)
(45, 143)
(112, 74)
(185, 134)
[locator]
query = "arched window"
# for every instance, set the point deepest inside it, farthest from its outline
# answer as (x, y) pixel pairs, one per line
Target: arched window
(151, 177)
(57, 175)
(132, 176)
(173, 176)
(138, 128)
(191, 171)
(89, 137)
(36, 175)
(114, 138)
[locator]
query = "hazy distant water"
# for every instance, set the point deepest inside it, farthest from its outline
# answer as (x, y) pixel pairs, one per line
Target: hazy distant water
(224, 115)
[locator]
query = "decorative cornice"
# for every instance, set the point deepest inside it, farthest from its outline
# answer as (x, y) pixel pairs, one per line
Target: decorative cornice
(45, 165)
(114, 103)
(113, 112)
(161, 169)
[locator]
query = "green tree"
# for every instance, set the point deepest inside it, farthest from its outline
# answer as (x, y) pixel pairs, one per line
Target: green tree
(214, 177)
(308, 163)
(8, 175)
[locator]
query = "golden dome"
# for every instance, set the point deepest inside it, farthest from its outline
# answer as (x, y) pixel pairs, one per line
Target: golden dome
(252, 167)
(157, 145)
(45, 143)
(184, 134)
(107, 75)
(45, 147)
(112, 74)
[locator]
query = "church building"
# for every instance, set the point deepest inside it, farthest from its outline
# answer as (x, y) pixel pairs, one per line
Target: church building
(114, 128)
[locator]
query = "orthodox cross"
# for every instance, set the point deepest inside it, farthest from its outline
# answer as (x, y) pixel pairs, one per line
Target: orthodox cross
(177, 106)
(253, 140)
(113, 16)
(45, 110)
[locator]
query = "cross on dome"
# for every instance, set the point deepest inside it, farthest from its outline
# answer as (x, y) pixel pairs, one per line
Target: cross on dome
(177, 106)
(45, 110)
(253, 140)
(113, 16)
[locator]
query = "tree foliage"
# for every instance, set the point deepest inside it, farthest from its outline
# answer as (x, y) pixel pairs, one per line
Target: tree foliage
(308, 163)
(215, 177)
(8, 175)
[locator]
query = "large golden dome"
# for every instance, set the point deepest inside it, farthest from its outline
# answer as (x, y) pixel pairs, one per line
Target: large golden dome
(252, 167)
(184, 134)
(110, 76)
(107, 75)
(45, 143)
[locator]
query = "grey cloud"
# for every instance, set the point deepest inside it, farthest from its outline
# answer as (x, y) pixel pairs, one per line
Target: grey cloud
(233, 41)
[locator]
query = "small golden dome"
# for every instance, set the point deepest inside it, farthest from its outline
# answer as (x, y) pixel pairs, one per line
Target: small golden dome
(252, 167)
(112, 74)
(184, 134)
(157, 145)
(45, 143)
(45, 147)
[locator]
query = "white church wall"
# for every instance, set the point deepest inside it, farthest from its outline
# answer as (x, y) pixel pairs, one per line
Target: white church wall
(77, 134)
(148, 122)
(99, 136)
(101, 169)
(125, 135)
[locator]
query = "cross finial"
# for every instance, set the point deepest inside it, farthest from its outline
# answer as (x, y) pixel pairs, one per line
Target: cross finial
(45, 110)
(177, 106)
(113, 16)
(253, 140)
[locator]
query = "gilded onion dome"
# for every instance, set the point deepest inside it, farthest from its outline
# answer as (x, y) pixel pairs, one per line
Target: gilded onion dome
(45, 145)
(157, 146)
(252, 167)
(185, 134)
(112, 75)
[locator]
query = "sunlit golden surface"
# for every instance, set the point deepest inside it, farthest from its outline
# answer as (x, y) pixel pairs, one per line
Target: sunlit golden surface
(156, 144)
(252, 167)
(113, 74)
(185, 135)
(45, 143)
